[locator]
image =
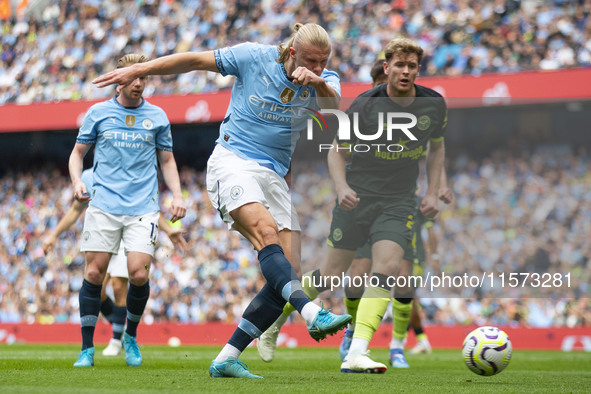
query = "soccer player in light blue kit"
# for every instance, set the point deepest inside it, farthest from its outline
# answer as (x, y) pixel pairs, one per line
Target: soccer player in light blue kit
(131, 136)
(245, 173)
(114, 312)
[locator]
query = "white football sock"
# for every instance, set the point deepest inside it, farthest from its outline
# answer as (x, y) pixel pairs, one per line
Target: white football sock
(228, 351)
(309, 312)
(396, 344)
(358, 346)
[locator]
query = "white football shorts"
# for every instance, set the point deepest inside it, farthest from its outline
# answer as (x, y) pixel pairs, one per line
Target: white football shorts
(233, 182)
(118, 264)
(104, 232)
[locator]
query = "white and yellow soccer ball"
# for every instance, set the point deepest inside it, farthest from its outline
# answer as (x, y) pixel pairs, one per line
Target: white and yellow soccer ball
(487, 351)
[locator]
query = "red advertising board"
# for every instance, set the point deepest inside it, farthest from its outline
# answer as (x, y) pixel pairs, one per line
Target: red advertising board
(295, 335)
(488, 89)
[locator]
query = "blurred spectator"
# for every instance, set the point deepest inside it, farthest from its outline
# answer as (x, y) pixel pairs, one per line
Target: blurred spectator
(56, 55)
(514, 213)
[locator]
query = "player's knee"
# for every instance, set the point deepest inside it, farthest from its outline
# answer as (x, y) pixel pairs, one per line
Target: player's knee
(360, 268)
(96, 267)
(267, 234)
(94, 275)
(138, 277)
(406, 268)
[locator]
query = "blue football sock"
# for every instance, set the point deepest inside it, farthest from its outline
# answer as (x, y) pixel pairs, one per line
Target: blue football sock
(137, 298)
(107, 308)
(118, 320)
(281, 276)
(90, 305)
(262, 311)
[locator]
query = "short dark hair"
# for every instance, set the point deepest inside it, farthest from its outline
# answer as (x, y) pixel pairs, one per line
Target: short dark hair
(378, 76)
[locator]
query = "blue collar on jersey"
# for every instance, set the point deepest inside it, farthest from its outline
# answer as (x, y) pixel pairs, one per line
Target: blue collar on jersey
(119, 104)
(285, 73)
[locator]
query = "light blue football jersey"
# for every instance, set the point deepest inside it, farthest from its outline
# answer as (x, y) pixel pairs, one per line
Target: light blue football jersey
(264, 106)
(86, 178)
(125, 170)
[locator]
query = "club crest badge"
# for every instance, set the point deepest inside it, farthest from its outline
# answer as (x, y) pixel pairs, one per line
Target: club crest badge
(236, 192)
(337, 234)
(147, 123)
(424, 122)
(305, 94)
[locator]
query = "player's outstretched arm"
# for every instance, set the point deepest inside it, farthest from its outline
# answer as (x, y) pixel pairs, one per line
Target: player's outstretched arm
(346, 197)
(175, 235)
(171, 178)
(69, 218)
(177, 63)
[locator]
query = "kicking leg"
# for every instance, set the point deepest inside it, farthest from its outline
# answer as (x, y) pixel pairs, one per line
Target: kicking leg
(256, 223)
(258, 316)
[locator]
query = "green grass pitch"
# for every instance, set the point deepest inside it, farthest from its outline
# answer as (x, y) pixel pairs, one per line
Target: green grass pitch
(48, 369)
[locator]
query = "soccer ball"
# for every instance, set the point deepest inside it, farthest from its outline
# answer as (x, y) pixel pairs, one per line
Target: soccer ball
(487, 351)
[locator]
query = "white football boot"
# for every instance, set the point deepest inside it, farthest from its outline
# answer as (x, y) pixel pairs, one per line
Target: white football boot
(361, 363)
(421, 347)
(114, 348)
(267, 342)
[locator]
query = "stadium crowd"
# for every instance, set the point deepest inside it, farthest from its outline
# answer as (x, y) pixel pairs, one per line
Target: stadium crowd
(499, 223)
(513, 213)
(55, 55)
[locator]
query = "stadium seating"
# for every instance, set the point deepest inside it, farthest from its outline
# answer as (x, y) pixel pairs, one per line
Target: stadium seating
(53, 53)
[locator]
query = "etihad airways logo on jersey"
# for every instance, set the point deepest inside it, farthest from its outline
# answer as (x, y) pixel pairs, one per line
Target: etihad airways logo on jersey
(275, 111)
(125, 139)
(387, 122)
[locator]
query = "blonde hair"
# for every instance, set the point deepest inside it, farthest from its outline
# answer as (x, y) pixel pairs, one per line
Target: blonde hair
(310, 33)
(130, 59)
(403, 46)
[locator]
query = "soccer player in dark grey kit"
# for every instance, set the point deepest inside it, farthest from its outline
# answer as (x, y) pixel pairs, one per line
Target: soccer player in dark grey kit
(376, 193)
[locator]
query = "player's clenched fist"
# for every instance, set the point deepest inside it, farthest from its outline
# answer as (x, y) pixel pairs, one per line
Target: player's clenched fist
(303, 76)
